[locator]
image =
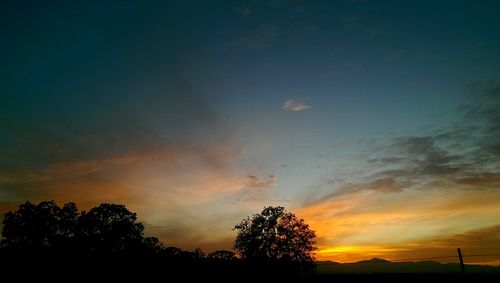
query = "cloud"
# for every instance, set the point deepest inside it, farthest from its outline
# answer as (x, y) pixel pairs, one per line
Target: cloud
(384, 185)
(168, 187)
(441, 182)
(481, 180)
(257, 190)
(419, 157)
(403, 163)
(293, 105)
(483, 113)
(463, 155)
(161, 154)
(254, 182)
(78, 122)
(79, 168)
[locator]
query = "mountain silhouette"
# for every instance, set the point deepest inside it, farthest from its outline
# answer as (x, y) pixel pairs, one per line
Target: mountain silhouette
(373, 260)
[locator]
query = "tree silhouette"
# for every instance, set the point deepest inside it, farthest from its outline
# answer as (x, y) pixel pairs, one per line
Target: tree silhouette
(275, 235)
(41, 226)
(171, 253)
(110, 228)
(198, 253)
(152, 245)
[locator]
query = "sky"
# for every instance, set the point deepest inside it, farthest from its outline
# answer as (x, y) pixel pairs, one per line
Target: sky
(377, 122)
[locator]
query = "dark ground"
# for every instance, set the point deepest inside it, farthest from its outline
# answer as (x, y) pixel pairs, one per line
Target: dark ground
(122, 269)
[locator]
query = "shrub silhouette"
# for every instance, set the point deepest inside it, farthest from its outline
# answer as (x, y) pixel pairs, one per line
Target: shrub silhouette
(275, 236)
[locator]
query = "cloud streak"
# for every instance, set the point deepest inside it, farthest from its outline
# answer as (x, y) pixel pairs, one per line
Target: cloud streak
(255, 182)
(296, 106)
(463, 156)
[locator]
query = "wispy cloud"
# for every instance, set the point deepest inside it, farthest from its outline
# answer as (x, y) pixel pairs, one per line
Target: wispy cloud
(462, 156)
(293, 105)
(155, 186)
(254, 182)
(384, 185)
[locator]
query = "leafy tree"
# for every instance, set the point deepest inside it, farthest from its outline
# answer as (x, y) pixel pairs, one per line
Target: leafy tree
(110, 228)
(45, 225)
(275, 235)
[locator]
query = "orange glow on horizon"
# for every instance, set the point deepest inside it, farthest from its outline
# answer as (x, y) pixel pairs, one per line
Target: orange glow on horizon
(345, 254)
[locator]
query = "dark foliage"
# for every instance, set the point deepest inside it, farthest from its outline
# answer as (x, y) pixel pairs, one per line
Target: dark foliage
(48, 228)
(110, 228)
(276, 237)
(42, 226)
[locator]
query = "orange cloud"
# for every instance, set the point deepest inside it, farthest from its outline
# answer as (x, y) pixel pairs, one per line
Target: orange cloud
(254, 182)
(175, 188)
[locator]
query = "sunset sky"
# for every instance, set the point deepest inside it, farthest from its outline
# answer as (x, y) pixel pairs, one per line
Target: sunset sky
(378, 122)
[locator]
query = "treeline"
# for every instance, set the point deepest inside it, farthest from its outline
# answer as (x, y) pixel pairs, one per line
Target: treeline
(46, 227)
(109, 240)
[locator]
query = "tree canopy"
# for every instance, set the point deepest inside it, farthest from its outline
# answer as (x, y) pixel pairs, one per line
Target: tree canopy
(110, 228)
(110, 236)
(106, 228)
(45, 225)
(275, 235)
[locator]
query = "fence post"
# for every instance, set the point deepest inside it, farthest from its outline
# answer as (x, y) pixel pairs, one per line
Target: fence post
(461, 261)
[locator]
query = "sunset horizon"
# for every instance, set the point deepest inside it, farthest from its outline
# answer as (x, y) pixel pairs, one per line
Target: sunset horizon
(377, 122)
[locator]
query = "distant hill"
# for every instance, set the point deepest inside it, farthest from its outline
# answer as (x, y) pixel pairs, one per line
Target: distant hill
(373, 260)
(378, 265)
